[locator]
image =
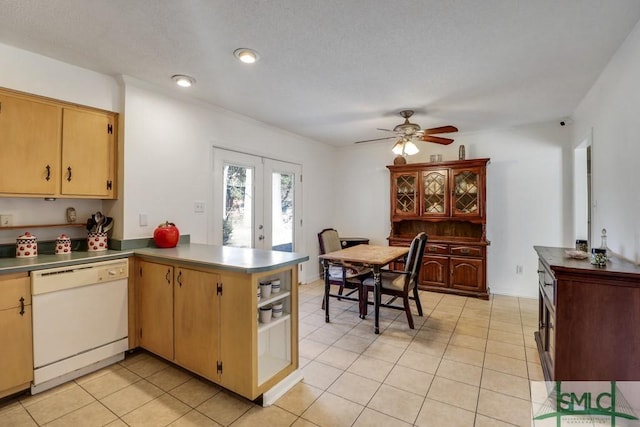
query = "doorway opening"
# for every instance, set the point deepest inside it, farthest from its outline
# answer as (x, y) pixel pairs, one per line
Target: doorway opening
(582, 196)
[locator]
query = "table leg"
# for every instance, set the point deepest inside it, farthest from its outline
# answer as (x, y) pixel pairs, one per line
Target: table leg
(325, 265)
(377, 284)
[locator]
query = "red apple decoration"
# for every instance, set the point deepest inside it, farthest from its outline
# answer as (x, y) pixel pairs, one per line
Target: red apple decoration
(166, 235)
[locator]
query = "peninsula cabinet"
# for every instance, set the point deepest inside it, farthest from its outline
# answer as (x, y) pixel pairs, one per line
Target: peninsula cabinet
(446, 200)
(16, 363)
(55, 149)
(206, 320)
(588, 317)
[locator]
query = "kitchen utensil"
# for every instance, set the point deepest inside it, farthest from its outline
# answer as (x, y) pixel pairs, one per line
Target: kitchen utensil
(26, 246)
(107, 225)
(99, 220)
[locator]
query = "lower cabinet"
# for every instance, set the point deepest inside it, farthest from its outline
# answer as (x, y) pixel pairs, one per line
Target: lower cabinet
(588, 317)
(206, 320)
(16, 336)
(452, 268)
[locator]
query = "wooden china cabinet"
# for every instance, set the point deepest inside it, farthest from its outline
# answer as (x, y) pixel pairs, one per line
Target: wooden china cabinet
(446, 200)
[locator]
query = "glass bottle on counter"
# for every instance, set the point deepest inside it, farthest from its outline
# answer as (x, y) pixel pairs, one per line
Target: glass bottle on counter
(599, 255)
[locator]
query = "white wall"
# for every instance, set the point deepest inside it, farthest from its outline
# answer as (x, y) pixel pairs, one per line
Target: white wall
(168, 164)
(526, 203)
(611, 109)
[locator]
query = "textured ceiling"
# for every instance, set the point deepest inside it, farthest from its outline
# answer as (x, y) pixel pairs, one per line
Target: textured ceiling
(335, 70)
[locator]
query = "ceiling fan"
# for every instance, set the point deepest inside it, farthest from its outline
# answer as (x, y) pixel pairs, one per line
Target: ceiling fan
(407, 131)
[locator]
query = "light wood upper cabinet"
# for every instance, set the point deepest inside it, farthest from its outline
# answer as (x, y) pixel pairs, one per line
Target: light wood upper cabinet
(30, 143)
(16, 363)
(87, 153)
(55, 149)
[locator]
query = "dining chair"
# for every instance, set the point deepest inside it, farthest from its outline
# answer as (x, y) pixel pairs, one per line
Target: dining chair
(343, 276)
(400, 284)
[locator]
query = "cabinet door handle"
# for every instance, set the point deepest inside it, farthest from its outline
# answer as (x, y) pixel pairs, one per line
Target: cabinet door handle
(433, 249)
(548, 284)
(179, 279)
(69, 173)
(48, 172)
(21, 306)
(167, 276)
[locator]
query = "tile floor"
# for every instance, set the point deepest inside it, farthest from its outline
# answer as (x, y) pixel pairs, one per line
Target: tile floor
(467, 363)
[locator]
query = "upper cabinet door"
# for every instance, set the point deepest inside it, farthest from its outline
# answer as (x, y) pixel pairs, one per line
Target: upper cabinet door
(30, 143)
(87, 153)
(404, 194)
(467, 192)
(435, 194)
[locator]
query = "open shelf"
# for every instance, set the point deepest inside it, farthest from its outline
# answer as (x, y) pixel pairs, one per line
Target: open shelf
(275, 321)
(273, 298)
(14, 227)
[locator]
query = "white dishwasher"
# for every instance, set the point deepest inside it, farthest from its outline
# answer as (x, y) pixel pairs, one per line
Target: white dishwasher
(79, 320)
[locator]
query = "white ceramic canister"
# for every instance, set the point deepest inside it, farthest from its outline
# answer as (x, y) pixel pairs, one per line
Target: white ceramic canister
(265, 290)
(275, 286)
(97, 242)
(26, 246)
(265, 314)
(63, 245)
(277, 309)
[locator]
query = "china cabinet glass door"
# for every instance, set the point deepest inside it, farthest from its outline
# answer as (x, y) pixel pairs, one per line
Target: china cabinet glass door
(436, 200)
(405, 190)
(466, 193)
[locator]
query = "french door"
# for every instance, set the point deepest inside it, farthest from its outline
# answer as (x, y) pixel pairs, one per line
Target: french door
(257, 201)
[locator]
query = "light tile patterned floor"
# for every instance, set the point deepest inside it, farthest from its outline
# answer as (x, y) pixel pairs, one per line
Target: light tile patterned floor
(467, 363)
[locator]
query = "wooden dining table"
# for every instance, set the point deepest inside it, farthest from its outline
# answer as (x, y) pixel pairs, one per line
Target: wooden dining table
(372, 256)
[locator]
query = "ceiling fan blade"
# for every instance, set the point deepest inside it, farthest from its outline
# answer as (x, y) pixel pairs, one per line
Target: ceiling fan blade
(441, 129)
(377, 139)
(386, 130)
(437, 139)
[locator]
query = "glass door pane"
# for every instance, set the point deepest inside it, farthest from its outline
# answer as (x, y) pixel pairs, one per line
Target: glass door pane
(282, 211)
(237, 219)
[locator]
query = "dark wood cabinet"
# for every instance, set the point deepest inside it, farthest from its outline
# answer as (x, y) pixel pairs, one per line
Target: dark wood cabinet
(446, 200)
(588, 317)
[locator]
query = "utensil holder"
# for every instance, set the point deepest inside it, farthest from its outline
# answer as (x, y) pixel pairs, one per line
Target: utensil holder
(97, 242)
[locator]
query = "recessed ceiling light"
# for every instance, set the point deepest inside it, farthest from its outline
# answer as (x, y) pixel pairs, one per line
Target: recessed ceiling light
(183, 81)
(245, 55)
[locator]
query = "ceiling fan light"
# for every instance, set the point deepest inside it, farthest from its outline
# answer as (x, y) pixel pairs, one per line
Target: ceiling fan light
(410, 148)
(397, 149)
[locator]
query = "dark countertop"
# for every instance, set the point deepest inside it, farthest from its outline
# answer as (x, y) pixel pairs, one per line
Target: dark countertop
(227, 258)
(557, 260)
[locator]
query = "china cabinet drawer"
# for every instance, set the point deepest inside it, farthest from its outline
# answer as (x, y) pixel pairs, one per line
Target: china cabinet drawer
(475, 251)
(436, 249)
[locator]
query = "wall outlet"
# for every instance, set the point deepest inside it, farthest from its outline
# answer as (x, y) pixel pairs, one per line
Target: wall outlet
(198, 207)
(519, 269)
(6, 220)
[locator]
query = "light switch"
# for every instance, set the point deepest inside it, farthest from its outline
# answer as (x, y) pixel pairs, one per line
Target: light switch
(143, 220)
